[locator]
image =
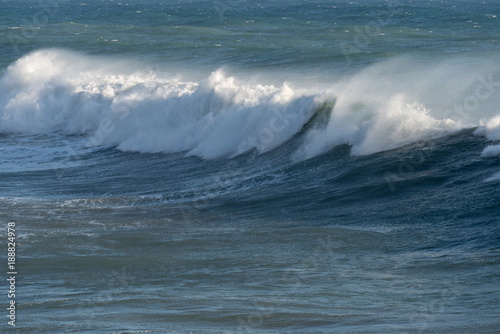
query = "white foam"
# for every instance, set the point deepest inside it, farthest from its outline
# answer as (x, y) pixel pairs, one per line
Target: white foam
(56, 90)
(399, 101)
(490, 128)
(382, 107)
(494, 178)
(491, 151)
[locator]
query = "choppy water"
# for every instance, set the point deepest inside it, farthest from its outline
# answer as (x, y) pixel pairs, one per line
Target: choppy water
(245, 166)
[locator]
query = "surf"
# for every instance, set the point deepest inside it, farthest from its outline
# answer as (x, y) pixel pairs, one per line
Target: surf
(120, 104)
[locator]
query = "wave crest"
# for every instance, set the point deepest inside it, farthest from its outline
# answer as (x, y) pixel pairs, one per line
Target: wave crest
(56, 90)
(381, 107)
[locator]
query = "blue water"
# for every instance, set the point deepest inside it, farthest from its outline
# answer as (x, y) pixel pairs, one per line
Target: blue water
(252, 166)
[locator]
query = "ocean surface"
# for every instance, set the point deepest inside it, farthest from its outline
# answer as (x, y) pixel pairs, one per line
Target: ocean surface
(244, 166)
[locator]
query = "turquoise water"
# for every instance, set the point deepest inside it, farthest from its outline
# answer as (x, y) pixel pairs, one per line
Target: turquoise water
(252, 166)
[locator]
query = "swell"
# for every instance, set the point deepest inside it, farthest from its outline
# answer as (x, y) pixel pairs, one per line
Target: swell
(446, 175)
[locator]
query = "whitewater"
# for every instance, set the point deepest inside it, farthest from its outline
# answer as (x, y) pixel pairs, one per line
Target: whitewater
(384, 106)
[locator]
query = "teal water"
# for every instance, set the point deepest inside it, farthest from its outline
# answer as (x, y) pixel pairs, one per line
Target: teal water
(252, 166)
(315, 35)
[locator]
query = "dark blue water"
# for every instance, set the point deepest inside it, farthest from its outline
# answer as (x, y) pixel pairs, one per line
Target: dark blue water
(252, 167)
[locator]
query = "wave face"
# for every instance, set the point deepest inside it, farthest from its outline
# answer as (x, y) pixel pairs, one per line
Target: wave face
(384, 106)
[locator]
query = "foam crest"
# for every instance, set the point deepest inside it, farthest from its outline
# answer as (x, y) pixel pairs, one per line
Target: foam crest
(491, 130)
(56, 90)
(399, 101)
(115, 103)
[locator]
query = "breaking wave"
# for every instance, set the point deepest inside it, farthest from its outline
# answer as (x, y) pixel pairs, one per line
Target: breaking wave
(385, 106)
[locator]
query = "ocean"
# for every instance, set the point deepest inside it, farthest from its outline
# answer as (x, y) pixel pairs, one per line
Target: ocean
(245, 166)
